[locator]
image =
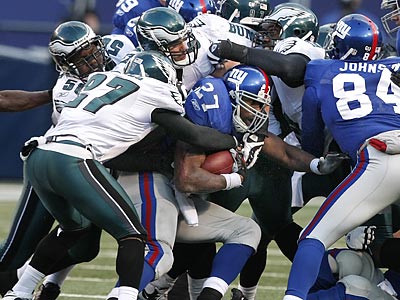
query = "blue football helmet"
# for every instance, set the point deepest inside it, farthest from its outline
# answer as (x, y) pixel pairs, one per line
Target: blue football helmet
(249, 90)
(190, 9)
(151, 64)
(162, 29)
(355, 37)
(67, 44)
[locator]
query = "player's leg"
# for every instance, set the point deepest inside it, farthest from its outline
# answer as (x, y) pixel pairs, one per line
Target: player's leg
(93, 194)
(270, 199)
(365, 192)
(154, 200)
(240, 236)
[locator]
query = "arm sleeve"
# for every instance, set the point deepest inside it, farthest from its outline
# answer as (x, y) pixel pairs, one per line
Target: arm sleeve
(289, 67)
(182, 129)
(312, 133)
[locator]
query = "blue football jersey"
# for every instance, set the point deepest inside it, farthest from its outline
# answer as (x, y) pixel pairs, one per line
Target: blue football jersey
(354, 100)
(208, 104)
(130, 9)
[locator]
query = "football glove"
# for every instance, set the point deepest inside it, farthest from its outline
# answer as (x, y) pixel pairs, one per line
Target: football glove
(328, 163)
(251, 147)
(360, 237)
(239, 164)
(213, 55)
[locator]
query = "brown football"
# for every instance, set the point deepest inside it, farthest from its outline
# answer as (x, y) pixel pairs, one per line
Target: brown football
(220, 162)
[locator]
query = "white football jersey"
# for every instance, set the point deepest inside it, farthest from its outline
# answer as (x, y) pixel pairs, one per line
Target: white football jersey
(113, 111)
(209, 28)
(291, 98)
(68, 87)
(217, 28)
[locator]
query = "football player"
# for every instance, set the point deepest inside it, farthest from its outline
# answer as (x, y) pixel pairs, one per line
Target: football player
(75, 60)
(247, 89)
(291, 29)
(368, 135)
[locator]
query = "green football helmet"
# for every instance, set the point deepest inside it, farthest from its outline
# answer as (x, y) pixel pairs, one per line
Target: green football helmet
(324, 34)
(151, 64)
(247, 12)
(67, 43)
(289, 20)
(163, 28)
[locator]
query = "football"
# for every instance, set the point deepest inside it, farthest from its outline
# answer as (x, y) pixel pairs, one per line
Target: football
(220, 162)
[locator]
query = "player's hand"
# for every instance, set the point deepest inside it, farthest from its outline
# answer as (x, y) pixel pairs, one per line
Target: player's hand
(251, 147)
(395, 78)
(239, 164)
(329, 163)
(213, 55)
(360, 237)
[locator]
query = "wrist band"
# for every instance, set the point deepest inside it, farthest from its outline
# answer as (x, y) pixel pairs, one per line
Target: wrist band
(233, 180)
(236, 141)
(314, 166)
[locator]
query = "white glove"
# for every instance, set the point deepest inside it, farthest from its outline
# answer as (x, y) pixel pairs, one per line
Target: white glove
(328, 163)
(360, 237)
(252, 145)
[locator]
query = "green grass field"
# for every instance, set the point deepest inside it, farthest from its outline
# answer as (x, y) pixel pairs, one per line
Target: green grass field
(95, 279)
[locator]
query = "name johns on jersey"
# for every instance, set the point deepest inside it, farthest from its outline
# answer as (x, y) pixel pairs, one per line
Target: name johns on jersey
(366, 67)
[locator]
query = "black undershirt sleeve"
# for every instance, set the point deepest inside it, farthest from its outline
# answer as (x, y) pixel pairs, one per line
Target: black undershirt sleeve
(182, 129)
(290, 68)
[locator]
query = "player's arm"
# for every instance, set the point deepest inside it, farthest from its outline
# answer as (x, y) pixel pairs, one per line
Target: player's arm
(290, 68)
(312, 124)
(189, 177)
(18, 100)
(182, 129)
(287, 155)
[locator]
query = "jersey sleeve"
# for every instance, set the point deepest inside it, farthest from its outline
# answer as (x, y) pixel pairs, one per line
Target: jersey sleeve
(118, 46)
(156, 94)
(296, 45)
(208, 104)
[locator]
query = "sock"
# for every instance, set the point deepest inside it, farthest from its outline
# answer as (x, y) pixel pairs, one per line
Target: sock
(248, 292)
(21, 270)
(147, 275)
(229, 261)
(305, 268)
(195, 286)
(27, 283)
(290, 297)
(216, 284)
(127, 293)
(113, 293)
(58, 277)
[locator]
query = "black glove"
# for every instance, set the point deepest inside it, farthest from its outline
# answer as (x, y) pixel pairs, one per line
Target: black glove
(251, 147)
(330, 162)
(395, 78)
